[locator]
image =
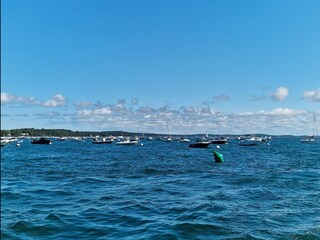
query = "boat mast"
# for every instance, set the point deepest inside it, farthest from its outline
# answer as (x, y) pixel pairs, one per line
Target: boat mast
(169, 132)
(315, 129)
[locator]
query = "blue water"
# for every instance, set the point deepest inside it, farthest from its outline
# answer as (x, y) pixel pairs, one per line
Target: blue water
(161, 190)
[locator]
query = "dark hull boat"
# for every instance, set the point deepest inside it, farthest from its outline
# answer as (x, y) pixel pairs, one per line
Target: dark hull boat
(102, 142)
(41, 141)
(199, 145)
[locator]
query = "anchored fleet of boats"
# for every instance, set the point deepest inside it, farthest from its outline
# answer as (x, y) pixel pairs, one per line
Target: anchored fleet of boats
(205, 142)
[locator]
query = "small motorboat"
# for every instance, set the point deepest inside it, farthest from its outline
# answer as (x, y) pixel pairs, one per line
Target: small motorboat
(253, 141)
(184, 140)
(41, 141)
(127, 142)
(4, 142)
(219, 140)
(102, 141)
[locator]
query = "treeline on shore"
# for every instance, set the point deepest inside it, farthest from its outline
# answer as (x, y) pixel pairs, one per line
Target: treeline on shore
(32, 132)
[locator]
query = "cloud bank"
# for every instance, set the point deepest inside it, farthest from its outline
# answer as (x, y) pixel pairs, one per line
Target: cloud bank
(194, 119)
(128, 115)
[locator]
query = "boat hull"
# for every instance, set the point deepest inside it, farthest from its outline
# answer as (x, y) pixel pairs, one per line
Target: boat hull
(307, 141)
(41, 141)
(127, 143)
(199, 145)
(219, 141)
(249, 143)
(102, 142)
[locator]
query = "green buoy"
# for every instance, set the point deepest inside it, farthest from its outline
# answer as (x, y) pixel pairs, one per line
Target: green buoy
(218, 157)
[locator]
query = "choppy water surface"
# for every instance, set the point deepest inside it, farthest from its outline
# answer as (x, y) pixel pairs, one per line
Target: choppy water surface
(161, 190)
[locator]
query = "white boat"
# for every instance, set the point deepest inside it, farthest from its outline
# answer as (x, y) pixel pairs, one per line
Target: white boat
(127, 142)
(76, 139)
(308, 140)
(253, 141)
(166, 139)
(169, 137)
(311, 139)
(6, 140)
(61, 139)
(98, 140)
(184, 140)
(219, 140)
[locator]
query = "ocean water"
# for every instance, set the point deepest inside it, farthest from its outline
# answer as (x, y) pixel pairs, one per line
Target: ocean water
(161, 190)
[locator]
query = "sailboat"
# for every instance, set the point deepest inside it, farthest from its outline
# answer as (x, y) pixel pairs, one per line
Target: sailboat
(201, 143)
(168, 138)
(311, 139)
(220, 139)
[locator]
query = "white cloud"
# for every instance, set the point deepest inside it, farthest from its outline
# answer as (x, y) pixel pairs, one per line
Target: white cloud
(286, 112)
(56, 101)
(8, 98)
(276, 121)
(280, 94)
(312, 95)
(102, 111)
(277, 112)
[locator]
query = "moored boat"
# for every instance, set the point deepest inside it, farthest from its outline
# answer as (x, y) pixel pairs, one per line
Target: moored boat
(311, 139)
(184, 140)
(61, 139)
(102, 141)
(41, 141)
(200, 144)
(253, 141)
(219, 140)
(4, 142)
(127, 142)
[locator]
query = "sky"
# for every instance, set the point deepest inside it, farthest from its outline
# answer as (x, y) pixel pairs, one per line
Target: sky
(183, 66)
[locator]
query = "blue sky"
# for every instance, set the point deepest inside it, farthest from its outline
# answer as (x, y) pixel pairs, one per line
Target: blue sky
(218, 66)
